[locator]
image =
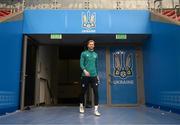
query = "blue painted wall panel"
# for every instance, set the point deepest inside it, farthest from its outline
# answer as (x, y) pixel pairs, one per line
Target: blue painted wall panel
(70, 21)
(123, 82)
(161, 66)
(130, 21)
(39, 21)
(102, 75)
(10, 65)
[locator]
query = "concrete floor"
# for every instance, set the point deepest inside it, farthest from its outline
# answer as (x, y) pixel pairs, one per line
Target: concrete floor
(69, 115)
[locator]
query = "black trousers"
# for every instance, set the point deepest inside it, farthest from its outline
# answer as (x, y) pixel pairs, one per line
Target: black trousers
(85, 81)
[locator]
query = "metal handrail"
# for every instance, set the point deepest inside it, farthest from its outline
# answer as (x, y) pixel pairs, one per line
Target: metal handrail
(177, 10)
(177, 6)
(159, 7)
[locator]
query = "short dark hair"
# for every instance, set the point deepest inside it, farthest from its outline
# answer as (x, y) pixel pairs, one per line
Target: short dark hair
(89, 41)
(86, 42)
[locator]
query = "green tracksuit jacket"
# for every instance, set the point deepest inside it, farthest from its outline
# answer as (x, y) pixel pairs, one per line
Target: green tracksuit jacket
(88, 61)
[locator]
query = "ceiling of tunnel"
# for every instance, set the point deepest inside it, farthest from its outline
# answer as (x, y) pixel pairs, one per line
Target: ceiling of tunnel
(78, 39)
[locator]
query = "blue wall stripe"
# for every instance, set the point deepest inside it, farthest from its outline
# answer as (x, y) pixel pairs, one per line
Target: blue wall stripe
(70, 22)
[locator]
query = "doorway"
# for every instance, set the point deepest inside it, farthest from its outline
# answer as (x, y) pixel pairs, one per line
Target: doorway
(28, 76)
(125, 84)
(68, 84)
(58, 71)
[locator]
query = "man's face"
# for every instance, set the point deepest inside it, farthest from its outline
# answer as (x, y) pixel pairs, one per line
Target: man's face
(91, 45)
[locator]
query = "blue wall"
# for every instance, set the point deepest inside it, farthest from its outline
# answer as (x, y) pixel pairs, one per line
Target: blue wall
(162, 67)
(102, 74)
(70, 21)
(10, 55)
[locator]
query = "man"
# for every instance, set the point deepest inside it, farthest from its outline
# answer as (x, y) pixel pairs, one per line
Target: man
(88, 64)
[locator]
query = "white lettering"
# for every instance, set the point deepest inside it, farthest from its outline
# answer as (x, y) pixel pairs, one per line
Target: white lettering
(123, 82)
(88, 31)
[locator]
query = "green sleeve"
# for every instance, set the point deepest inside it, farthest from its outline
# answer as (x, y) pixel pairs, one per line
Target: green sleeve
(97, 65)
(82, 61)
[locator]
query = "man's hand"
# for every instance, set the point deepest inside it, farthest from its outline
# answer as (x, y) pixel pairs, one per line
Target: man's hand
(86, 73)
(98, 80)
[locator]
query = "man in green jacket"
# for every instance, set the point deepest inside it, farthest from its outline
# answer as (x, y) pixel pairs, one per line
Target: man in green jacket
(88, 64)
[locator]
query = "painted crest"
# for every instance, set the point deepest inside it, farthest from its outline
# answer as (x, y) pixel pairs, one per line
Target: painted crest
(123, 64)
(88, 21)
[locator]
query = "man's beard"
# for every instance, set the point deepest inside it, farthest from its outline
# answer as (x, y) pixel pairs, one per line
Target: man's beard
(91, 49)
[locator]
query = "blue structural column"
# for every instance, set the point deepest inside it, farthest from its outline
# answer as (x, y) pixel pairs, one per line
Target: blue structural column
(10, 65)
